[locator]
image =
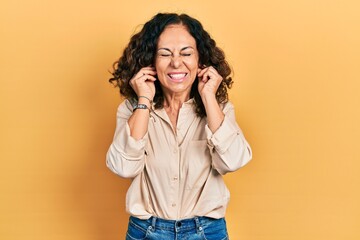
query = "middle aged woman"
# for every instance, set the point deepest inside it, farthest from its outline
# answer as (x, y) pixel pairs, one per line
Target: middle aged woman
(176, 133)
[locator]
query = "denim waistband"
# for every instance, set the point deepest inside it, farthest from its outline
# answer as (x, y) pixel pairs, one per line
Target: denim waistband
(171, 225)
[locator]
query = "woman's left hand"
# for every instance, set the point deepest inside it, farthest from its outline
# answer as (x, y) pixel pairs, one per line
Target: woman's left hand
(209, 81)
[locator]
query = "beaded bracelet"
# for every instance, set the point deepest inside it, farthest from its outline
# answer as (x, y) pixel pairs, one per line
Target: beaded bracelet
(146, 98)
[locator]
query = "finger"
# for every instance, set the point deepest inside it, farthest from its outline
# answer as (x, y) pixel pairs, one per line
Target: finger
(148, 71)
(149, 68)
(202, 72)
(212, 75)
(136, 83)
(143, 78)
(149, 77)
(145, 72)
(130, 82)
(213, 70)
(206, 76)
(215, 74)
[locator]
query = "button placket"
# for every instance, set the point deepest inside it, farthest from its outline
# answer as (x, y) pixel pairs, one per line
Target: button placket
(175, 176)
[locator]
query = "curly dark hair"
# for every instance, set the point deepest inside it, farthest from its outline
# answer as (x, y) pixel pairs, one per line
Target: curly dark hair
(141, 52)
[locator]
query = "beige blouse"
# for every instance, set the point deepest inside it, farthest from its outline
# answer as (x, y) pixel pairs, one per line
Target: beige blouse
(177, 175)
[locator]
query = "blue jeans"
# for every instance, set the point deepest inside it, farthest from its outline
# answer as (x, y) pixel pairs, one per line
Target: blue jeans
(198, 228)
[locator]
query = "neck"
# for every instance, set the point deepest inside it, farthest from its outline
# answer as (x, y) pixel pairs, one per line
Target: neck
(174, 101)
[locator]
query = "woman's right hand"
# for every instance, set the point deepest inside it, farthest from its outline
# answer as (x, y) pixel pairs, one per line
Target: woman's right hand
(143, 82)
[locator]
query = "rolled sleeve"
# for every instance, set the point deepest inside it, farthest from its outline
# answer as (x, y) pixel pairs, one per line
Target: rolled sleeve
(126, 155)
(228, 146)
(222, 139)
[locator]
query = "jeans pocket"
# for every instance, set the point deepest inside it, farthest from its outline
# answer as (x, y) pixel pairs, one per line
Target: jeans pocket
(135, 232)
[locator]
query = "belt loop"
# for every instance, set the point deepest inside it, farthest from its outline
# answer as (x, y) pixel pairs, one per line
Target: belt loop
(153, 222)
(198, 225)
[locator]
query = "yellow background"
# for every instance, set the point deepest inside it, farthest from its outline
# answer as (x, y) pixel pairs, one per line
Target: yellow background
(296, 92)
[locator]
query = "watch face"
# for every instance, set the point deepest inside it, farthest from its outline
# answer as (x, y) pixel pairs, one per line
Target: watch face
(140, 106)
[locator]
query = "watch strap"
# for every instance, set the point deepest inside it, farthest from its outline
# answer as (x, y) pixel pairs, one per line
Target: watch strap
(140, 106)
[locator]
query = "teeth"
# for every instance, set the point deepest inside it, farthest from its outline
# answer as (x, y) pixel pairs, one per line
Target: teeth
(177, 76)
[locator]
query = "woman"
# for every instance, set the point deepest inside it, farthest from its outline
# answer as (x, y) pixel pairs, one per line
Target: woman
(176, 133)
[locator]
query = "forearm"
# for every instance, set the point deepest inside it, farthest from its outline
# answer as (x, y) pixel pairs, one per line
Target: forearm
(139, 120)
(215, 116)
(126, 154)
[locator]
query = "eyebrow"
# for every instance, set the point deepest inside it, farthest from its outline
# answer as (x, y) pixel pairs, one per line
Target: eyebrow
(167, 49)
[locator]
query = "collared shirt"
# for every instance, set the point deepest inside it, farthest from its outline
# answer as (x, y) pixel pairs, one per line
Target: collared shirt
(177, 174)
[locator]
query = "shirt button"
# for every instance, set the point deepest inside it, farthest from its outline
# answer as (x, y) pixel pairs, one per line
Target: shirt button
(175, 150)
(174, 204)
(175, 178)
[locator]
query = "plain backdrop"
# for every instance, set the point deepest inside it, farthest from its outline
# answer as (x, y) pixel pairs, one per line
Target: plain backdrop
(296, 94)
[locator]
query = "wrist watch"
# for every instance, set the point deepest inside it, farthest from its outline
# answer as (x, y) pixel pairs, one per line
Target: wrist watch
(141, 106)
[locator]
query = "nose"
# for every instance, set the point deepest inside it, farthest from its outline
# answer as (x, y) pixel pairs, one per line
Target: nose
(176, 61)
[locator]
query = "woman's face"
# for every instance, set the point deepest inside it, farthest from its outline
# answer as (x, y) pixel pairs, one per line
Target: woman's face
(177, 60)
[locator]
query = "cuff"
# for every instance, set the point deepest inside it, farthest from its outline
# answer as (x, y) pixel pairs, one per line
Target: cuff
(133, 149)
(223, 137)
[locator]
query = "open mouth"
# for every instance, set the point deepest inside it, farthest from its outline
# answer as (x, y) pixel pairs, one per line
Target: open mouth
(177, 77)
